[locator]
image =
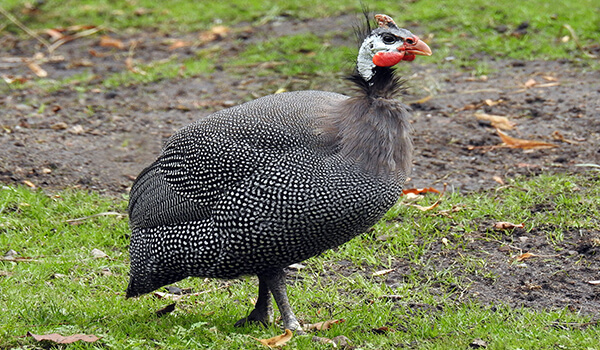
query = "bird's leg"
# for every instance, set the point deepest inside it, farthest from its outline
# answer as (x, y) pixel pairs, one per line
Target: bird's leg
(263, 309)
(275, 280)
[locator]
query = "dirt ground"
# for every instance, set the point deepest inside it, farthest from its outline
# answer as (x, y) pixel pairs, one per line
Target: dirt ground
(100, 139)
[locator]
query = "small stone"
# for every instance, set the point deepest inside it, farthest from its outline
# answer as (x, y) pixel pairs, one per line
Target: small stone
(523, 239)
(11, 254)
(341, 341)
(478, 343)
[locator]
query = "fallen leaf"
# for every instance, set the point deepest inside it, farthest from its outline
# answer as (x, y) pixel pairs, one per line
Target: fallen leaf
(76, 130)
(491, 102)
(556, 135)
(523, 144)
(98, 254)
(168, 296)
(59, 339)
(499, 122)
(498, 179)
(382, 330)
(595, 283)
(132, 68)
(323, 340)
(215, 33)
(277, 341)
(420, 190)
(382, 272)
(549, 78)
(503, 225)
(9, 79)
(54, 34)
(530, 83)
(37, 70)
(322, 326)
(165, 310)
(179, 44)
(422, 208)
(29, 183)
(525, 256)
(107, 41)
(297, 267)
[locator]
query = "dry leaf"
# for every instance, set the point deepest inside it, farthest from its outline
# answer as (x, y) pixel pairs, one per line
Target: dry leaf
(277, 341)
(216, 32)
(37, 70)
(491, 102)
(382, 272)
(525, 256)
(165, 310)
(132, 68)
(322, 326)
(431, 206)
(98, 254)
(523, 144)
(59, 339)
(420, 190)
(549, 78)
(179, 44)
(29, 183)
(107, 41)
(54, 34)
(530, 83)
(503, 225)
(497, 121)
(323, 340)
(382, 330)
(595, 283)
(559, 137)
(498, 179)
(76, 130)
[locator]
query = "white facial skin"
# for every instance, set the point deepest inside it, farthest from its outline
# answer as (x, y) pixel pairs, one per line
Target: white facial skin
(386, 41)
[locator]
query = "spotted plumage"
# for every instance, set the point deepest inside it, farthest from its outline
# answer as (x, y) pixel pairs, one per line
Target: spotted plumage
(254, 188)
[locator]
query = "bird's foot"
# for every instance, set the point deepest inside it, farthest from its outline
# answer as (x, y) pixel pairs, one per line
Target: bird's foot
(256, 316)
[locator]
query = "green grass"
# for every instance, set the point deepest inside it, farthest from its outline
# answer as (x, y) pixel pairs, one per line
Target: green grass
(460, 33)
(64, 289)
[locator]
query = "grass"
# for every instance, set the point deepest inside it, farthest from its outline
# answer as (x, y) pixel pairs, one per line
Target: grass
(63, 288)
(460, 32)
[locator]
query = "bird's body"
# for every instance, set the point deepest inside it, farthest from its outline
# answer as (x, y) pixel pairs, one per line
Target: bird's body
(254, 188)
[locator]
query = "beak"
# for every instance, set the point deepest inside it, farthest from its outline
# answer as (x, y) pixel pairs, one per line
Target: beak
(417, 47)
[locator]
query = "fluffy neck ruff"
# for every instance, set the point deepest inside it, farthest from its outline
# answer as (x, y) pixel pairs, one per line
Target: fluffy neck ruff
(372, 127)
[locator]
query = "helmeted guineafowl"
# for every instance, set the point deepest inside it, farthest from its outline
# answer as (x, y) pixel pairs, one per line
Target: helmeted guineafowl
(254, 188)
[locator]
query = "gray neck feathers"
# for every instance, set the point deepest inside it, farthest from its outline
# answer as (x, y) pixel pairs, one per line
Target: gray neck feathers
(374, 132)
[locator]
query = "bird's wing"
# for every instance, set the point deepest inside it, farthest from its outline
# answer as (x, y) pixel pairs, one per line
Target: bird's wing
(199, 164)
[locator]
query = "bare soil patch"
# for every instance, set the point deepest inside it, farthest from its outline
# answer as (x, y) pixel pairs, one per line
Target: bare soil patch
(99, 139)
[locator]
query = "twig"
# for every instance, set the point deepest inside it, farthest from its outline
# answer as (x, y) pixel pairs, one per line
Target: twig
(95, 215)
(66, 39)
(24, 28)
(576, 40)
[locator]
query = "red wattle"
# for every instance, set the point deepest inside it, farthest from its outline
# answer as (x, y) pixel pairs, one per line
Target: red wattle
(409, 57)
(387, 59)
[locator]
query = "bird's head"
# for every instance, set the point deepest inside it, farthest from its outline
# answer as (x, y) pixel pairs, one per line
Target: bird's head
(387, 45)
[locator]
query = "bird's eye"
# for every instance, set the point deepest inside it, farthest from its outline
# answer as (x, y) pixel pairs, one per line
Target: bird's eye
(388, 39)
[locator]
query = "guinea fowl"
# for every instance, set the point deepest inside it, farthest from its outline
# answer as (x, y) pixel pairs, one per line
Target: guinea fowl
(252, 189)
